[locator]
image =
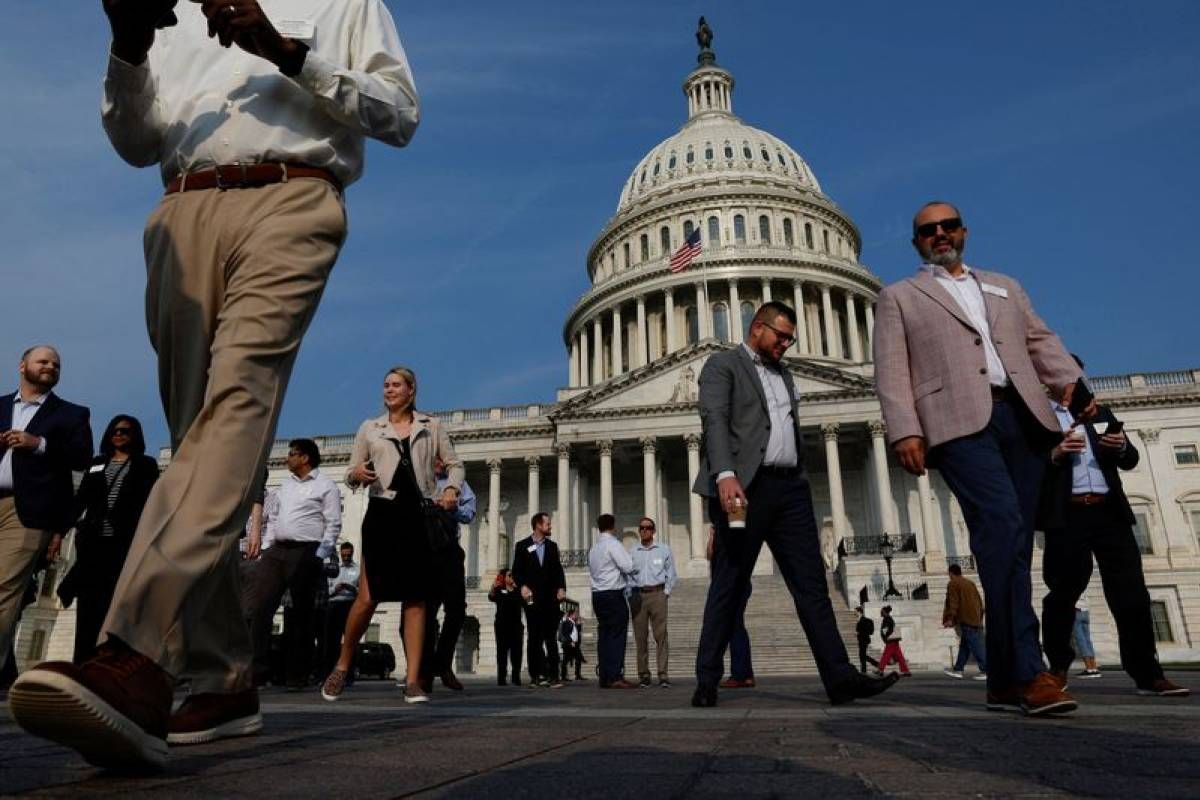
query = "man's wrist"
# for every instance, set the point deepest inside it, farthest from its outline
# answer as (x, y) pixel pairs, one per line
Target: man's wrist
(291, 56)
(131, 53)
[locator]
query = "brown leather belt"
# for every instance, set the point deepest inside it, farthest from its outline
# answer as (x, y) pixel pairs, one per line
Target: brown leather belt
(243, 176)
(1089, 499)
(650, 589)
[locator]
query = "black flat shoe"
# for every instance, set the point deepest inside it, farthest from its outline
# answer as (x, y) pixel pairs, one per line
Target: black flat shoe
(705, 697)
(859, 686)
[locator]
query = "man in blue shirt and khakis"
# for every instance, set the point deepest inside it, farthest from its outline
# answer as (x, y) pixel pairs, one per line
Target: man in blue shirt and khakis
(652, 585)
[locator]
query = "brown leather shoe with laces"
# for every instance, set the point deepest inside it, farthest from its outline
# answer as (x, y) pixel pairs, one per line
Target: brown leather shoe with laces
(113, 708)
(207, 717)
(451, 681)
(1044, 695)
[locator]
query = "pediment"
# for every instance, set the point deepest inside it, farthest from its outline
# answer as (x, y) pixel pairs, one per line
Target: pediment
(673, 382)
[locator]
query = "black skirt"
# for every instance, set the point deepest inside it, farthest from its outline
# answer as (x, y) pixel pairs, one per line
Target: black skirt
(396, 554)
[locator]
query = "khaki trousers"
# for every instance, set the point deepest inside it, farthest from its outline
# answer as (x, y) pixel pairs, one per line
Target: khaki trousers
(233, 280)
(650, 611)
(20, 550)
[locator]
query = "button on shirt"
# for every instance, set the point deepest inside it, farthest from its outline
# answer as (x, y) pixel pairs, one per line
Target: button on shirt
(22, 413)
(781, 445)
(609, 564)
(193, 104)
(307, 509)
(1086, 476)
(655, 566)
(967, 293)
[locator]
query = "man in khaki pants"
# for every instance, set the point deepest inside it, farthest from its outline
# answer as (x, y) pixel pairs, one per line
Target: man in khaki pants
(653, 582)
(256, 133)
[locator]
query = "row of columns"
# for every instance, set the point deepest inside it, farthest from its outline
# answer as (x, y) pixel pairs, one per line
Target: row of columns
(588, 370)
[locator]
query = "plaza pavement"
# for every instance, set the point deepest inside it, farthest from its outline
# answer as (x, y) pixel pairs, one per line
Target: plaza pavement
(928, 737)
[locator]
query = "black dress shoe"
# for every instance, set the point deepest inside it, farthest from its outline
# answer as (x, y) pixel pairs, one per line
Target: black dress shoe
(704, 697)
(858, 686)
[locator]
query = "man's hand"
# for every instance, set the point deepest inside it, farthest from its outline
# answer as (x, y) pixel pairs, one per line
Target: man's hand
(526, 593)
(243, 22)
(562, 594)
(911, 452)
(947, 623)
(729, 490)
(253, 545)
(1068, 393)
(20, 440)
(449, 499)
(133, 23)
(1115, 441)
(1069, 446)
(53, 549)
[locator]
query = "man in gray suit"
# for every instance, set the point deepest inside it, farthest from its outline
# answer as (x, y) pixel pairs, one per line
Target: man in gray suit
(962, 366)
(752, 470)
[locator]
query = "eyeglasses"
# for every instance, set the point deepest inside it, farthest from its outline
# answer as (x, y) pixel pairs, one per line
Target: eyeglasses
(294, 454)
(645, 527)
(949, 225)
(122, 432)
(785, 338)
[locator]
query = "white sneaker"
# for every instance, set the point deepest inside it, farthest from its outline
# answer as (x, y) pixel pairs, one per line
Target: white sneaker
(1089, 673)
(953, 673)
(982, 676)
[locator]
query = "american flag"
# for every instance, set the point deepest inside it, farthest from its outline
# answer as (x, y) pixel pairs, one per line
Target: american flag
(687, 252)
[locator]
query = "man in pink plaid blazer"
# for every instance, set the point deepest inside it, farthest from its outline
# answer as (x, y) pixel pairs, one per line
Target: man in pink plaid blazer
(962, 367)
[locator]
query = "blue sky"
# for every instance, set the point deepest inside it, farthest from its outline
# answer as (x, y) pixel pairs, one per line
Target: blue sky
(1066, 131)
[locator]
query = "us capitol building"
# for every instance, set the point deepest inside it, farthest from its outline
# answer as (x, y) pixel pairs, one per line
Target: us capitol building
(624, 434)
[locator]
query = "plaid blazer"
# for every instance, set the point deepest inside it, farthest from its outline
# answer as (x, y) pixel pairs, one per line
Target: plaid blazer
(930, 366)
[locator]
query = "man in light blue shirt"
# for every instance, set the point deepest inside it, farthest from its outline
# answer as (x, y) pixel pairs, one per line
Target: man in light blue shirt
(652, 586)
(612, 571)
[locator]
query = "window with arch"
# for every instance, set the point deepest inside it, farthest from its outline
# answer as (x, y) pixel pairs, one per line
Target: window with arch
(765, 155)
(657, 166)
(672, 162)
(825, 240)
(721, 321)
(714, 231)
(691, 155)
(644, 242)
(625, 255)
(764, 229)
(1143, 516)
(688, 228)
(746, 152)
(808, 237)
(708, 152)
(691, 321)
(664, 240)
(728, 150)
(739, 229)
(643, 178)
(788, 236)
(782, 163)
(747, 317)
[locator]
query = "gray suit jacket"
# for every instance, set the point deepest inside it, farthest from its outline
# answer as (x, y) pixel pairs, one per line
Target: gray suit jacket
(930, 366)
(735, 419)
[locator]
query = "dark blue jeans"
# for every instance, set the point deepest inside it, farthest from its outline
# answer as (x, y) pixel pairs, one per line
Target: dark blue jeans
(740, 665)
(970, 643)
(612, 624)
(996, 475)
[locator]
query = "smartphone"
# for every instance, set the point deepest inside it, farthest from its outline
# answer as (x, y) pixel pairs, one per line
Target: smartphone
(1114, 428)
(1081, 399)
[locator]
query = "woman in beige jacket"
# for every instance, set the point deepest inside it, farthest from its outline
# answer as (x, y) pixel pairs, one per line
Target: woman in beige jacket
(393, 456)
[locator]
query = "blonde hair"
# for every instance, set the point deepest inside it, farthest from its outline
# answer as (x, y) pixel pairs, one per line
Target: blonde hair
(409, 377)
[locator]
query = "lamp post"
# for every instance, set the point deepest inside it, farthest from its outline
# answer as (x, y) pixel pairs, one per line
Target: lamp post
(887, 548)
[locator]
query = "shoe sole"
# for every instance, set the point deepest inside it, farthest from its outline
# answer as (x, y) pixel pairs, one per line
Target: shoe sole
(55, 707)
(333, 698)
(244, 726)
(959, 676)
(1181, 692)
(1004, 708)
(412, 701)
(1089, 677)
(1061, 707)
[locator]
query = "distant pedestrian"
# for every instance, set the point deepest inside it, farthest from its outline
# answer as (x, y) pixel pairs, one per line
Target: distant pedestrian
(652, 585)
(343, 589)
(611, 569)
(510, 633)
(538, 572)
(891, 643)
(1081, 635)
(964, 611)
(864, 629)
(570, 636)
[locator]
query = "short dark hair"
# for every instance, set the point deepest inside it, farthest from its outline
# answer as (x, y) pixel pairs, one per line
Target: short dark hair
(606, 522)
(344, 545)
(955, 569)
(536, 519)
(307, 447)
(885, 610)
(933, 203)
(770, 311)
(137, 440)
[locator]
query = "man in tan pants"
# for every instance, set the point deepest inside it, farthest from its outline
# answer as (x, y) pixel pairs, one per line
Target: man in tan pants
(653, 582)
(255, 143)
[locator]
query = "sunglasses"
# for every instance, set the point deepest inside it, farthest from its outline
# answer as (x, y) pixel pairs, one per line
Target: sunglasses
(122, 432)
(645, 527)
(948, 225)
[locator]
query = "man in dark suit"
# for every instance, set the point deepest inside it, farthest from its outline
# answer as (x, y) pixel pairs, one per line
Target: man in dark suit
(537, 570)
(752, 467)
(43, 438)
(1084, 513)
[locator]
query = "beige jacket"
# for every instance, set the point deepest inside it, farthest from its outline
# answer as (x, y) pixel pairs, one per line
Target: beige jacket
(930, 366)
(428, 441)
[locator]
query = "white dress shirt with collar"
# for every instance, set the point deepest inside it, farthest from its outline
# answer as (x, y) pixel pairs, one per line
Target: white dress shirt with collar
(347, 574)
(968, 294)
(1086, 475)
(781, 442)
(307, 509)
(22, 413)
(609, 563)
(655, 566)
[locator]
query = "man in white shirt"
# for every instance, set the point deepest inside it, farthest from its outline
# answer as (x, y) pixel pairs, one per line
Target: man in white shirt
(611, 569)
(257, 124)
(343, 588)
(300, 531)
(656, 577)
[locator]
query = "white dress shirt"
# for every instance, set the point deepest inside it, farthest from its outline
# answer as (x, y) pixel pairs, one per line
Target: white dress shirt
(22, 413)
(193, 104)
(967, 293)
(1086, 476)
(347, 574)
(609, 563)
(307, 509)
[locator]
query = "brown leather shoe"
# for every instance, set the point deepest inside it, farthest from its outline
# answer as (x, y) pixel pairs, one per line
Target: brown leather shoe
(450, 681)
(112, 708)
(737, 683)
(619, 683)
(207, 717)
(1163, 688)
(1044, 695)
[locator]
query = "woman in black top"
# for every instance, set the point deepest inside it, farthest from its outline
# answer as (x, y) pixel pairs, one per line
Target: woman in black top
(111, 497)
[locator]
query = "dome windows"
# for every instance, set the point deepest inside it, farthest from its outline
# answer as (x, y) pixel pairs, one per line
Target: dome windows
(729, 151)
(739, 229)
(765, 155)
(708, 151)
(782, 163)
(808, 236)
(657, 166)
(688, 228)
(714, 231)
(691, 155)
(671, 163)
(644, 240)
(788, 237)
(747, 317)
(691, 321)
(764, 229)
(643, 178)
(664, 240)
(720, 317)
(746, 152)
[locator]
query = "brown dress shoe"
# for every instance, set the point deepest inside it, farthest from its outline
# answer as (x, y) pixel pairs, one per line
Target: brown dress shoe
(450, 681)
(619, 683)
(737, 683)
(207, 717)
(113, 708)
(1044, 695)
(1163, 688)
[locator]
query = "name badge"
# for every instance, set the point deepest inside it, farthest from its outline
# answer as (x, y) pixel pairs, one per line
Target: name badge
(97, 468)
(657, 562)
(295, 28)
(999, 291)
(532, 548)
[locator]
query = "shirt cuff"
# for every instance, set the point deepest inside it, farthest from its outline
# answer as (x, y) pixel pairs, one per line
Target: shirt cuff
(128, 77)
(726, 473)
(317, 75)
(324, 550)
(41, 448)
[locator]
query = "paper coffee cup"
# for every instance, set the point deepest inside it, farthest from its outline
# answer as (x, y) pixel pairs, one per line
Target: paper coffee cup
(737, 515)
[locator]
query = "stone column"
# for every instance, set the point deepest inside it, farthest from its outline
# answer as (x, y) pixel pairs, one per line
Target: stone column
(870, 324)
(800, 347)
(703, 320)
(831, 344)
(669, 311)
(573, 368)
(856, 354)
(617, 349)
(494, 559)
(598, 354)
(735, 313)
(883, 485)
(562, 511)
(935, 559)
(606, 483)
(695, 509)
(585, 377)
(534, 465)
(577, 523)
(643, 337)
(837, 503)
(766, 290)
(649, 487)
